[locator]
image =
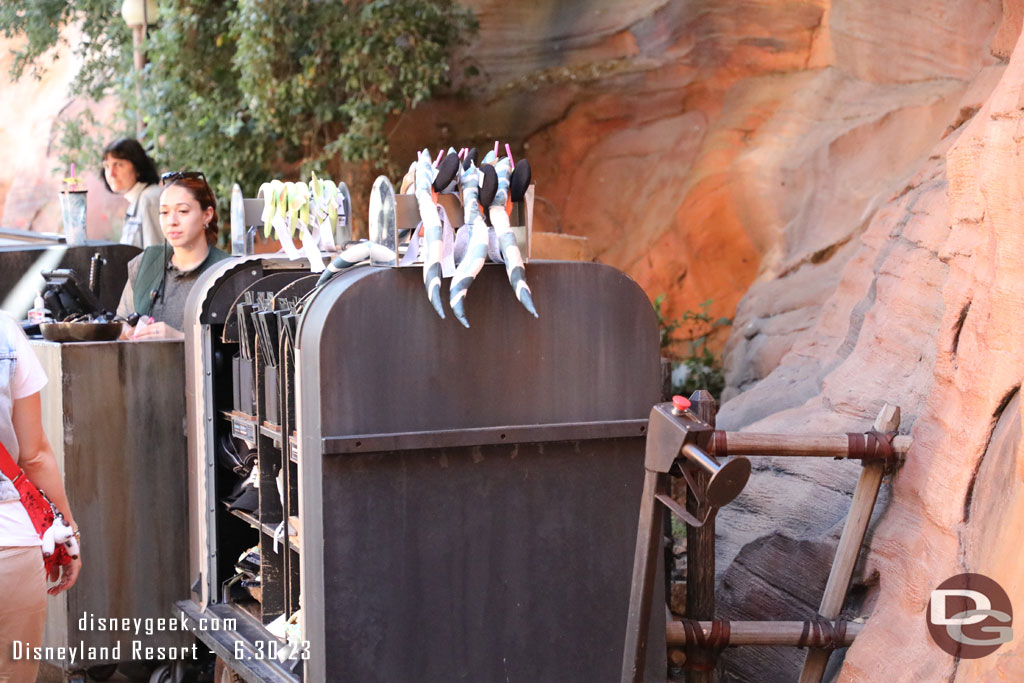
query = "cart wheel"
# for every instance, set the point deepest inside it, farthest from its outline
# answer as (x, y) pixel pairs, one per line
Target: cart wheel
(136, 671)
(101, 672)
(179, 671)
(162, 674)
(222, 673)
(168, 673)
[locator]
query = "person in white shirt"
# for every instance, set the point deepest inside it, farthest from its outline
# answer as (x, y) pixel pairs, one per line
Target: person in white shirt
(22, 576)
(129, 171)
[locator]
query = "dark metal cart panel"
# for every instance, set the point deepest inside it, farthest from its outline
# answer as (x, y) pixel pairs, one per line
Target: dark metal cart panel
(440, 559)
(591, 356)
(517, 555)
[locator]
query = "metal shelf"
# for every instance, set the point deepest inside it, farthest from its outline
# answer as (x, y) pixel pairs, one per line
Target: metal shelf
(273, 432)
(267, 529)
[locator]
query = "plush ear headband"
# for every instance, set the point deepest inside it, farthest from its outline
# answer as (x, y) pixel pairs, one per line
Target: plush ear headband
(488, 184)
(446, 171)
(520, 180)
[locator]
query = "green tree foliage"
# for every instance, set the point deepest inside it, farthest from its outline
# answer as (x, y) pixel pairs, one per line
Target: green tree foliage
(40, 22)
(251, 89)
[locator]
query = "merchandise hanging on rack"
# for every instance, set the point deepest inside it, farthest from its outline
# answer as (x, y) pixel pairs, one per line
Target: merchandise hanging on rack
(313, 212)
(484, 198)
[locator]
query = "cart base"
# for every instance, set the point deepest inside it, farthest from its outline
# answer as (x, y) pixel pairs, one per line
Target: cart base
(242, 649)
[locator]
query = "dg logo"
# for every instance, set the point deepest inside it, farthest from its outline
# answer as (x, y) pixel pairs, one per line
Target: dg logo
(970, 616)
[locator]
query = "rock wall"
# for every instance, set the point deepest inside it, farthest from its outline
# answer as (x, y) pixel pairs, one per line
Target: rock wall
(824, 159)
(956, 505)
(704, 146)
(842, 177)
(921, 302)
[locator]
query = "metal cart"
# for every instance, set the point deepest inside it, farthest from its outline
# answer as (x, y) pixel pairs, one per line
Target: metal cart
(464, 499)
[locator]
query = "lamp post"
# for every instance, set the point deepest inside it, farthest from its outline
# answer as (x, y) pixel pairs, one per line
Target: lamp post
(139, 14)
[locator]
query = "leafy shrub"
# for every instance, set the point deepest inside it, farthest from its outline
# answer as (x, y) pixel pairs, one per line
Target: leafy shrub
(698, 367)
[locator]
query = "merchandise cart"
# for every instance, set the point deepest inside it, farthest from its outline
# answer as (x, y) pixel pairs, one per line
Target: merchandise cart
(463, 501)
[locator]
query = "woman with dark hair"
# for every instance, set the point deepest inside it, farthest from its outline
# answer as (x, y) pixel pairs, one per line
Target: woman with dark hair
(160, 278)
(128, 170)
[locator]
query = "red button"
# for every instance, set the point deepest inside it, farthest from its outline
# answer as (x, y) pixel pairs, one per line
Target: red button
(680, 403)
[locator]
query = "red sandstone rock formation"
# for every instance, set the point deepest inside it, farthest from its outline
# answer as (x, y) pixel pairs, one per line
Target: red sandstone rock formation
(895, 326)
(844, 177)
(704, 146)
(957, 504)
(802, 147)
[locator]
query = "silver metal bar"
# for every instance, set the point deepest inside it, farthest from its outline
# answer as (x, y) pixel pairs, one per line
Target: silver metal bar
(403, 441)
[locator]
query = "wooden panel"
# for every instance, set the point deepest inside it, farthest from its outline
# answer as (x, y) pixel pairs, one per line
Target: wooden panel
(24, 264)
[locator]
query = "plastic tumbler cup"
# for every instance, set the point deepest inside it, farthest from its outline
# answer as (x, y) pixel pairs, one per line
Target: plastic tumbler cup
(72, 211)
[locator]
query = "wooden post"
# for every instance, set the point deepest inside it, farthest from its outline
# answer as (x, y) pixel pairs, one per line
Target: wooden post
(700, 543)
(758, 633)
(799, 445)
(641, 595)
(863, 503)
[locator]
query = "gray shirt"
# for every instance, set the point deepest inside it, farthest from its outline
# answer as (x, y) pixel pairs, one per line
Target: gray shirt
(169, 306)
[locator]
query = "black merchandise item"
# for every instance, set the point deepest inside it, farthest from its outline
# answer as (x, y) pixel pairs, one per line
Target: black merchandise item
(446, 172)
(520, 181)
(488, 185)
(234, 455)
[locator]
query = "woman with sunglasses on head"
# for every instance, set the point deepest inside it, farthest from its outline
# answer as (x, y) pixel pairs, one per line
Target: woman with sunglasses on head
(160, 278)
(129, 171)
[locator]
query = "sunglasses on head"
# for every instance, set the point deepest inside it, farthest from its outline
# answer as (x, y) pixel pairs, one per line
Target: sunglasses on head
(181, 175)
